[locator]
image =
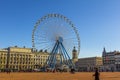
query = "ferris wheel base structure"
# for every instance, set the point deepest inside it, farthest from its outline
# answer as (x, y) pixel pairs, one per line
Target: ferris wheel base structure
(59, 50)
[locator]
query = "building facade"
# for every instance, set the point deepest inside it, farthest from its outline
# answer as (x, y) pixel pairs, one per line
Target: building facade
(111, 60)
(16, 58)
(117, 61)
(74, 55)
(88, 64)
(22, 59)
(3, 58)
(108, 57)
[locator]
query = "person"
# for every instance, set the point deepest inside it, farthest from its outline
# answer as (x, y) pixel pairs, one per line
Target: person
(97, 74)
(72, 70)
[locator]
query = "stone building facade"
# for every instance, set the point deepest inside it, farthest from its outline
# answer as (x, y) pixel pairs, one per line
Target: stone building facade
(3, 58)
(89, 63)
(117, 61)
(111, 60)
(21, 59)
(74, 55)
(16, 58)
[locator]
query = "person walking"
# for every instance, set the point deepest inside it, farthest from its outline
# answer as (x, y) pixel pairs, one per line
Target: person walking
(97, 74)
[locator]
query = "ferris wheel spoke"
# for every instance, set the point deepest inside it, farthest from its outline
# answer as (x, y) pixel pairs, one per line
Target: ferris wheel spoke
(43, 43)
(70, 38)
(44, 47)
(41, 35)
(37, 36)
(42, 38)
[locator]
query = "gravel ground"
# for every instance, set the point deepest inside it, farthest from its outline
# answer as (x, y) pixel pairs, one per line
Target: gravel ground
(59, 76)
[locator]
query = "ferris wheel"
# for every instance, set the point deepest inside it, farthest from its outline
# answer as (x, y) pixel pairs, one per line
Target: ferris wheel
(54, 28)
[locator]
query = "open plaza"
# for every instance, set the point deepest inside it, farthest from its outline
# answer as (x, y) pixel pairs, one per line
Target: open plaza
(59, 76)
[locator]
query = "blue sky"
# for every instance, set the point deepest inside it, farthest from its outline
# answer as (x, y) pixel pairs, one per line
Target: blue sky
(97, 21)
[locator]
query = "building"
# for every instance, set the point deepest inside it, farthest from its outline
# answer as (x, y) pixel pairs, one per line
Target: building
(16, 58)
(108, 60)
(74, 55)
(22, 59)
(3, 58)
(111, 60)
(88, 64)
(108, 57)
(117, 60)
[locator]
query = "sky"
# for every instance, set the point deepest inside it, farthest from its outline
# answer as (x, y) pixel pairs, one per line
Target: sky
(97, 22)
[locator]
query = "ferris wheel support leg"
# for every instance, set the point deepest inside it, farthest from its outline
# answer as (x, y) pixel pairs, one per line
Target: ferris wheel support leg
(63, 51)
(68, 56)
(64, 55)
(61, 60)
(67, 59)
(54, 58)
(50, 58)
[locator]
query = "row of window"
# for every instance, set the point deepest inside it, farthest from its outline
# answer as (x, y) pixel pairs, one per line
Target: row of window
(14, 58)
(23, 55)
(21, 63)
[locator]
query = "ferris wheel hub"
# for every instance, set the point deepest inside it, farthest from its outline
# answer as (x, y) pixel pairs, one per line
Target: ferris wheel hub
(59, 39)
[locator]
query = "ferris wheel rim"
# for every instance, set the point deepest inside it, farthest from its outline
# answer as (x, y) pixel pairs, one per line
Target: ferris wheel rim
(59, 16)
